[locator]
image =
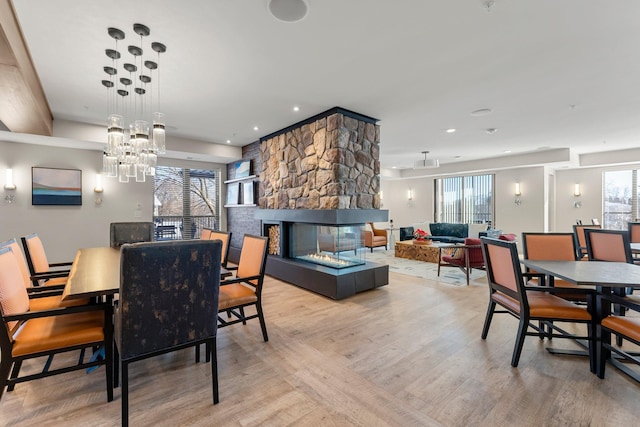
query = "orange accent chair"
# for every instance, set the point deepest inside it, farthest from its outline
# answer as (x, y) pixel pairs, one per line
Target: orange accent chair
(39, 264)
(27, 334)
(466, 257)
(375, 237)
(245, 290)
(529, 303)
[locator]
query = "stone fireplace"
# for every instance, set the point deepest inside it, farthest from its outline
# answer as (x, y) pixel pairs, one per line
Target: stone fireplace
(319, 184)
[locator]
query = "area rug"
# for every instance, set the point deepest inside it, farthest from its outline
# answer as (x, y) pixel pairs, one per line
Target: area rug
(426, 270)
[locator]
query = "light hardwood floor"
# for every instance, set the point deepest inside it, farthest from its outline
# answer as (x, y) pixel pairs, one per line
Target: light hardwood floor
(407, 354)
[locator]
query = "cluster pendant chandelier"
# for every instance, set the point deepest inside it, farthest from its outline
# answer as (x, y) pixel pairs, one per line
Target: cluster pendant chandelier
(132, 150)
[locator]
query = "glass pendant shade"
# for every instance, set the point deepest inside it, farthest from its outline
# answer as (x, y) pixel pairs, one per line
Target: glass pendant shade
(159, 133)
(110, 165)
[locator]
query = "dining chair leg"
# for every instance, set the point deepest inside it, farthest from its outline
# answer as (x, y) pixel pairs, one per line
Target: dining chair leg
(244, 319)
(212, 353)
(197, 347)
(207, 351)
(14, 374)
(263, 325)
(124, 396)
(520, 336)
(593, 357)
(487, 319)
(5, 368)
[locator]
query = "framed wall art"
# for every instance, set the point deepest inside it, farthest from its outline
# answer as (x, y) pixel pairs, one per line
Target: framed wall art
(53, 186)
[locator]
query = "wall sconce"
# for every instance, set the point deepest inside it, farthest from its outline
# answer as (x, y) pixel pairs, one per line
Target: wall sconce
(410, 195)
(518, 193)
(577, 193)
(8, 183)
(576, 190)
(98, 189)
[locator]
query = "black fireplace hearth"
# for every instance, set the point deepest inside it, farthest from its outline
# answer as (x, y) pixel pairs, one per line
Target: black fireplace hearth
(322, 250)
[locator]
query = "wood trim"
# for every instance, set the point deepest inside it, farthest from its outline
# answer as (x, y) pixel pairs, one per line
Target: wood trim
(23, 106)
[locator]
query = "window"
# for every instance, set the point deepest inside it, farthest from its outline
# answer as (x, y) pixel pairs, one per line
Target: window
(185, 201)
(464, 199)
(620, 199)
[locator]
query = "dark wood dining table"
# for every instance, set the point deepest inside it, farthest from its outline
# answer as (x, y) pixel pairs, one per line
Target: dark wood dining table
(95, 272)
(605, 276)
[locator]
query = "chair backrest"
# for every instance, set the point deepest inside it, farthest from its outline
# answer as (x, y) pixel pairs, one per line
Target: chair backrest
(253, 258)
(22, 262)
(35, 254)
(205, 233)
(475, 254)
(225, 238)
(13, 293)
(581, 243)
(634, 232)
(168, 295)
(406, 233)
(503, 271)
(608, 245)
(130, 232)
(549, 246)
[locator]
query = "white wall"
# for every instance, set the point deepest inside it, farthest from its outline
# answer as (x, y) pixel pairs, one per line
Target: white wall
(64, 229)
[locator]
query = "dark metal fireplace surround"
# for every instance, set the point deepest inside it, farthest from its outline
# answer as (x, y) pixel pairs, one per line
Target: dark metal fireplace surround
(336, 283)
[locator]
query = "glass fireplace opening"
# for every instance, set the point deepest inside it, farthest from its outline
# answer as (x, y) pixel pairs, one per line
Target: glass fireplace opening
(336, 246)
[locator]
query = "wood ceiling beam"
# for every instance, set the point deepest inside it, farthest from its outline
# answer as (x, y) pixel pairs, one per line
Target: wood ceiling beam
(23, 104)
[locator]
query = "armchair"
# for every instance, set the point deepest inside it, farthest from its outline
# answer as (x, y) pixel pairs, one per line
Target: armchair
(374, 237)
(465, 257)
(39, 264)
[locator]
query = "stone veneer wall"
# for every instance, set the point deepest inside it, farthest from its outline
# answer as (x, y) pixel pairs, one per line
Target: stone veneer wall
(330, 163)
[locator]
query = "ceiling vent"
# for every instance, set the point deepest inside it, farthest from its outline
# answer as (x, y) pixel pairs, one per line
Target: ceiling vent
(426, 163)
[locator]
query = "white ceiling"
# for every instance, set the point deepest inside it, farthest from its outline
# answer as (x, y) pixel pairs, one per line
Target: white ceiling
(556, 73)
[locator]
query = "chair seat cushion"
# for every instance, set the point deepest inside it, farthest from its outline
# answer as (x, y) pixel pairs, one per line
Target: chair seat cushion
(57, 332)
(46, 303)
(627, 326)
(544, 305)
(234, 295)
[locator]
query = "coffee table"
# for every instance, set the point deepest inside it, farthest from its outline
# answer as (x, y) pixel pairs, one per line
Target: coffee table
(429, 253)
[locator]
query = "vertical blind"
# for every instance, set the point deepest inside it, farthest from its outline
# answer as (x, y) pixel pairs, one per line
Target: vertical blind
(464, 199)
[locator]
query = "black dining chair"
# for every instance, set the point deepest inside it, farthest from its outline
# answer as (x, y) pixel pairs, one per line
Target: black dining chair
(168, 301)
(130, 232)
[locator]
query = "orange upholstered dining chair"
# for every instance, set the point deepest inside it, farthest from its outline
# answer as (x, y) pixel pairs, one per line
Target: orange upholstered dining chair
(205, 233)
(554, 247)
(581, 243)
(466, 257)
(225, 238)
(39, 264)
(634, 232)
(27, 334)
(529, 303)
(245, 290)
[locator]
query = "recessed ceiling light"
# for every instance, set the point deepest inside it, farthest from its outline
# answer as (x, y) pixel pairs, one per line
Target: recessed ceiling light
(256, 128)
(481, 112)
(491, 131)
(296, 108)
(451, 130)
(457, 157)
(394, 167)
(506, 151)
(228, 141)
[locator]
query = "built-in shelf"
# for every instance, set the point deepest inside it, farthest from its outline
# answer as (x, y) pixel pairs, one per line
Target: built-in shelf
(240, 206)
(229, 181)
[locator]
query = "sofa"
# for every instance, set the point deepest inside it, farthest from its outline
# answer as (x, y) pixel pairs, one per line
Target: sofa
(449, 232)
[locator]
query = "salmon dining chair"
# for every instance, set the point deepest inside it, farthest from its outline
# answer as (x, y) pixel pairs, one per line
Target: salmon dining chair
(39, 264)
(529, 303)
(27, 334)
(581, 243)
(225, 238)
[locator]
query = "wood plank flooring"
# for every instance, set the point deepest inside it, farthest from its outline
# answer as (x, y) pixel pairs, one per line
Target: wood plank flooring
(407, 354)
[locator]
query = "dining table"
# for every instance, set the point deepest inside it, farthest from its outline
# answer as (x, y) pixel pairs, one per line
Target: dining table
(607, 277)
(95, 272)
